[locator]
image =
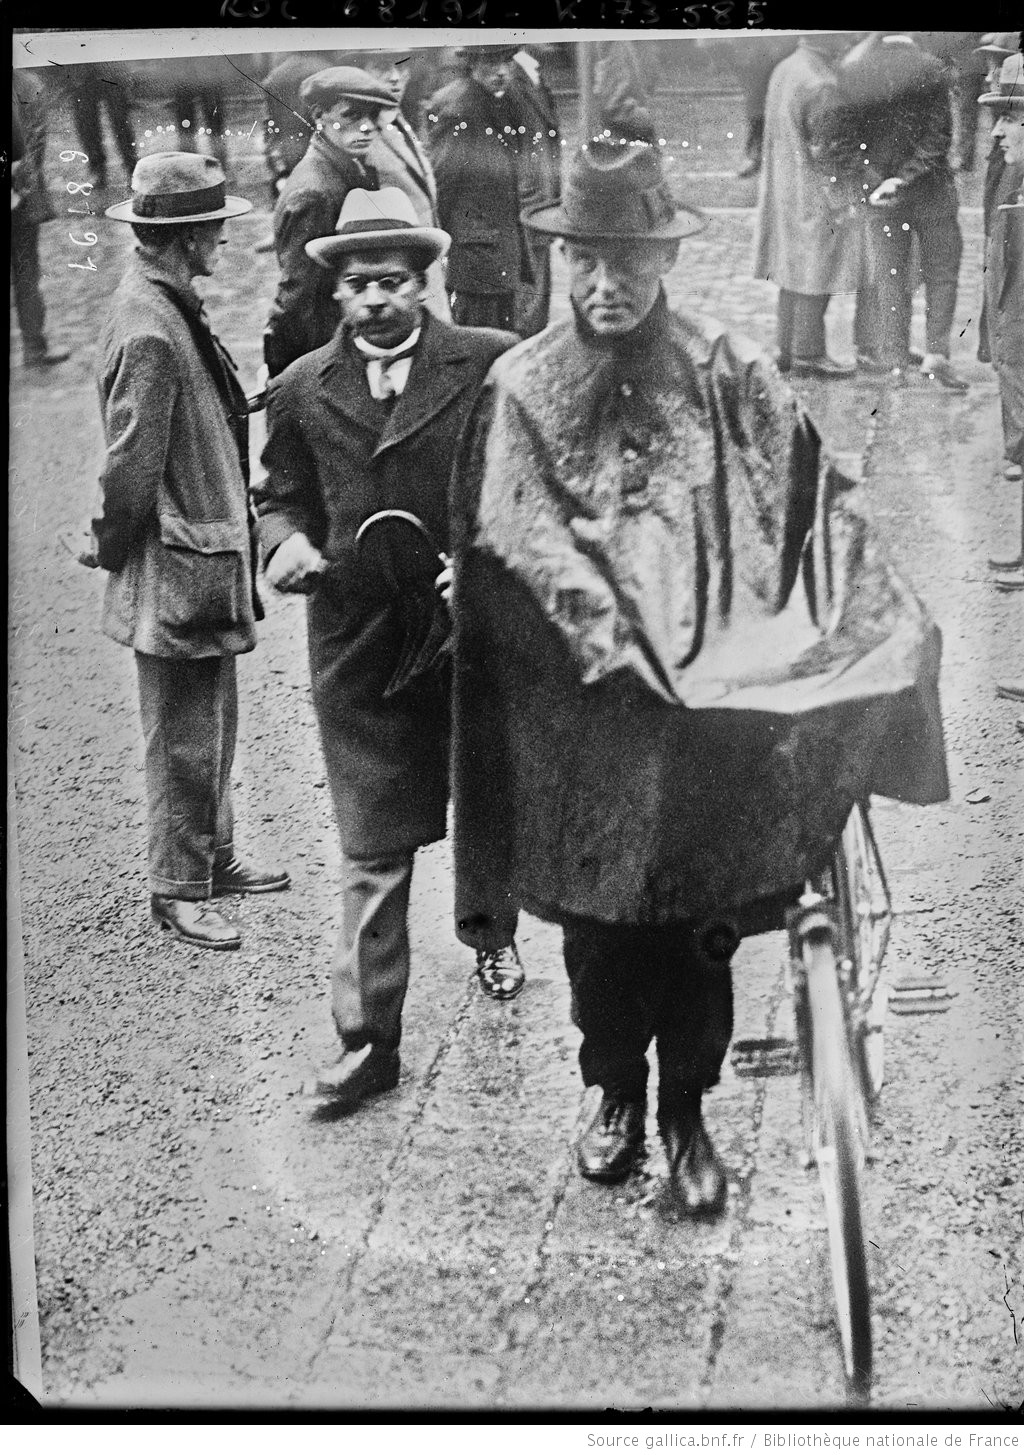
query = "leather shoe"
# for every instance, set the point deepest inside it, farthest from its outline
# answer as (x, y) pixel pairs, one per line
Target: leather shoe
(237, 877)
(356, 1075)
(1013, 691)
(196, 921)
(608, 1148)
(697, 1176)
(1012, 471)
(1010, 581)
(820, 368)
(749, 167)
(1006, 563)
(938, 369)
(500, 972)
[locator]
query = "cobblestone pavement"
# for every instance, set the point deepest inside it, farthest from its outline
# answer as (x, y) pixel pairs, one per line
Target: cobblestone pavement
(200, 1238)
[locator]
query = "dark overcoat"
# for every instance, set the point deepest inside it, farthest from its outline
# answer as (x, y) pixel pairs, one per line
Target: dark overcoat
(175, 527)
(334, 456)
(304, 314)
(473, 148)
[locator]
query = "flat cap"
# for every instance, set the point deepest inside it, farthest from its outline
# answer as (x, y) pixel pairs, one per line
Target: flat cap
(346, 83)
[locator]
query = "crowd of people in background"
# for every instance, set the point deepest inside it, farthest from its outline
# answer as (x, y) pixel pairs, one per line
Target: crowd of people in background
(414, 212)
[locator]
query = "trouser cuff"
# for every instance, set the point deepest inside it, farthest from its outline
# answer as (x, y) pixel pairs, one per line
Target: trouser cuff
(181, 888)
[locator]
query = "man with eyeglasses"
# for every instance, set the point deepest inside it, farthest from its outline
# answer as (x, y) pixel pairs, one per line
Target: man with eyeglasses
(347, 105)
(366, 423)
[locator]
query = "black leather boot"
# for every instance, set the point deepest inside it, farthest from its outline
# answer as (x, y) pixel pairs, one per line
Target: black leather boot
(608, 1148)
(697, 1177)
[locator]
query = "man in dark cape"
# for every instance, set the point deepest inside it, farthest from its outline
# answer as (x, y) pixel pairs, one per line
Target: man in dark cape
(681, 657)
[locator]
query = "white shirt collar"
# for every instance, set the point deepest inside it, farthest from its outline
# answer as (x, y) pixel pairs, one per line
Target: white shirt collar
(373, 352)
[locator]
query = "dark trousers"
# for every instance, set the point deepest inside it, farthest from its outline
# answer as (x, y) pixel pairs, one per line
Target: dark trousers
(208, 102)
(28, 299)
(189, 714)
(631, 985)
(88, 101)
(800, 324)
(370, 974)
(930, 216)
(484, 310)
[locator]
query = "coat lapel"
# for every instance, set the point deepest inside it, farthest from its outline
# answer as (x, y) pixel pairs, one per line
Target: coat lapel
(345, 390)
(441, 369)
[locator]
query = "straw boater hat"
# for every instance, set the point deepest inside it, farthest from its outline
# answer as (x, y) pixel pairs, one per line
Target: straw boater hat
(384, 219)
(178, 187)
(616, 189)
(346, 83)
(1009, 93)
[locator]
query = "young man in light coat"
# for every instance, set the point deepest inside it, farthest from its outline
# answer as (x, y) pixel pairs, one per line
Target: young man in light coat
(174, 532)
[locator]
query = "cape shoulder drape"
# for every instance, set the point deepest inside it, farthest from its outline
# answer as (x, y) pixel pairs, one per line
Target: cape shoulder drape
(681, 651)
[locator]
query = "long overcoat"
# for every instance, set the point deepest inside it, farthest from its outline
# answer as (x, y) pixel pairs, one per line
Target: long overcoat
(681, 653)
(808, 237)
(304, 314)
(1004, 307)
(175, 525)
(334, 456)
(473, 148)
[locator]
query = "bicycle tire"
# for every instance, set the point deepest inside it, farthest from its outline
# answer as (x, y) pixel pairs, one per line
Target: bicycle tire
(839, 1154)
(861, 896)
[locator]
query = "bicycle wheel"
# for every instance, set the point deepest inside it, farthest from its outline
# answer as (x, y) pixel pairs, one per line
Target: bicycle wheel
(838, 1141)
(861, 895)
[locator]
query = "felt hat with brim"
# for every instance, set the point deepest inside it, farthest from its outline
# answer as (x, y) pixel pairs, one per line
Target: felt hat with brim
(375, 220)
(469, 54)
(178, 187)
(347, 83)
(999, 43)
(615, 188)
(1009, 92)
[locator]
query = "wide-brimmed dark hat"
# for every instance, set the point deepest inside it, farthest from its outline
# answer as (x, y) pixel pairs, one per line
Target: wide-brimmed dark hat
(1009, 92)
(346, 83)
(467, 54)
(616, 189)
(178, 187)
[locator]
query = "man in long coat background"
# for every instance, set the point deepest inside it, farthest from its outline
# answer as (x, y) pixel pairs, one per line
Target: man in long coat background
(367, 423)
(667, 697)
(808, 237)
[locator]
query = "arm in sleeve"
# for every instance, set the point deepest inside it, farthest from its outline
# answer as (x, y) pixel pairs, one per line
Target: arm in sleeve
(287, 499)
(138, 418)
(287, 337)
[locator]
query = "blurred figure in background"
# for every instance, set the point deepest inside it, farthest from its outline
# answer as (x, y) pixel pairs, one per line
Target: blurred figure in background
(101, 86)
(808, 237)
(473, 141)
(31, 206)
(288, 125)
(346, 103)
(995, 47)
(197, 96)
(896, 102)
(540, 179)
(753, 60)
(400, 160)
(965, 73)
(1004, 282)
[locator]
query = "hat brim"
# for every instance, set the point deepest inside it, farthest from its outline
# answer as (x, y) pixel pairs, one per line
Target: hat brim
(556, 223)
(125, 212)
(363, 97)
(999, 102)
(327, 250)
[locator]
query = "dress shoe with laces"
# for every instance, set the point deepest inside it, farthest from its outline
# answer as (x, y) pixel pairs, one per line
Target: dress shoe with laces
(1006, 563)
(355, 1076)
(237, 877)
(197, 921)
(820, 368)
(697, 1177)
(607, 1150)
